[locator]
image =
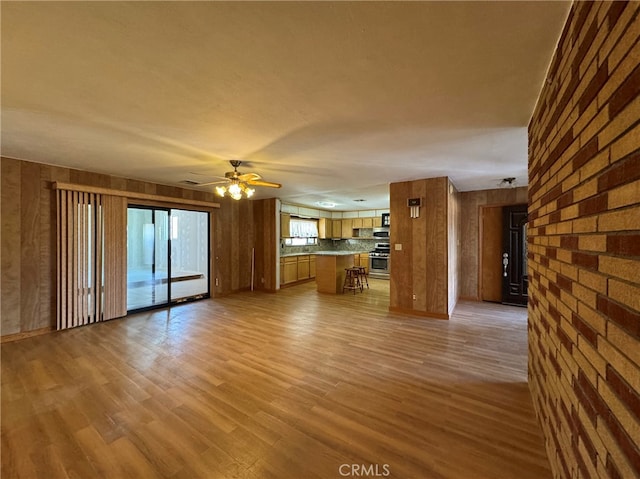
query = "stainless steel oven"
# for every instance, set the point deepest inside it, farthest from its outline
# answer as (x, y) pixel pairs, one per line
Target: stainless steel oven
(379, 261)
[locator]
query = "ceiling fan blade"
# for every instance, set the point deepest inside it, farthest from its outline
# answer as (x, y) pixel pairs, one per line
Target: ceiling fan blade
(264, 183)
(249, 177)
(213, 183)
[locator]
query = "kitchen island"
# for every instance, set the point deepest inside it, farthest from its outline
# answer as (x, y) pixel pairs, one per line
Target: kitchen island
(330, 266)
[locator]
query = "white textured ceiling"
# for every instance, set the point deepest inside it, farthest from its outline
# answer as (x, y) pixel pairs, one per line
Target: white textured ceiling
(334, 100)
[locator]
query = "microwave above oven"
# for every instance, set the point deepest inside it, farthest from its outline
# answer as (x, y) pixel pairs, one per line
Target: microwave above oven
(381, 233)
(386, 220)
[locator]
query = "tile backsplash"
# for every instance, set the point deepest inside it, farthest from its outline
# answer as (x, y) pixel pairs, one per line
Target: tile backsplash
(358, 245)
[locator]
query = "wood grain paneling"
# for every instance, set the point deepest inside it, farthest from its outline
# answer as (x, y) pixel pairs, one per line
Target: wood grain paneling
(30, 239)
(422, 239)
(234, 237)
(401, 278)
(491, 256)
(265, 243)
(186, 199)
(11, 256)
(420, 268)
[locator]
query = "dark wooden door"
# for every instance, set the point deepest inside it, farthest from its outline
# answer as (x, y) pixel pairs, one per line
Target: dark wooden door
(514, 255)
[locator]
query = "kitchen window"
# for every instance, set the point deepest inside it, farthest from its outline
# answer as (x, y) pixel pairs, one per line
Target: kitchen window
(303, 232)
(303, 228)
(300, 241)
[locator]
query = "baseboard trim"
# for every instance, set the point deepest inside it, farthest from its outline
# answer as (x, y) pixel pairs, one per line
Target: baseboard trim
(27, 334)
(469, 298)
(296, 283)
(413, 312)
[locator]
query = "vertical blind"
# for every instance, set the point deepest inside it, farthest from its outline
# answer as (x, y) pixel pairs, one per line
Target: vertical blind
(89, 274)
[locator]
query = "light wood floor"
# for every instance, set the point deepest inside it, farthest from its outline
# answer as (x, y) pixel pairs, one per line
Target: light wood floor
(287, 385)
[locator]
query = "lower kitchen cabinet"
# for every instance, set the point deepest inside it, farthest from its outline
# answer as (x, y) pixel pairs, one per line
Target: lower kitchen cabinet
(297, 268)
(361, 259)
(303, 267)
(290, 272)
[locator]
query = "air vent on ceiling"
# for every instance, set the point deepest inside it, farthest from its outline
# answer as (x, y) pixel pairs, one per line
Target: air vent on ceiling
(189, 182)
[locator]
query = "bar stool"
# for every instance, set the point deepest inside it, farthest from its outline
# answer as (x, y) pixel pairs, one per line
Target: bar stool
(363, 277)
(352, 280)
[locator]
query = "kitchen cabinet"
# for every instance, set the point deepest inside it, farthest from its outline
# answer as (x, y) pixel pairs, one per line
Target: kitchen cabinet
(347, 228)
(357, 223)
(290, 269)
(281, 271)
(377, 222)
(362, 259)
(331, 270)
(324, 228)
(297, 268)
(367, 222)
(285, 225)
(336, 228)
(303, 267)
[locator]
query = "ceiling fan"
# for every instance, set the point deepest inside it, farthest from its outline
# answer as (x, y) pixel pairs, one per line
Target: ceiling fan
(236, 184)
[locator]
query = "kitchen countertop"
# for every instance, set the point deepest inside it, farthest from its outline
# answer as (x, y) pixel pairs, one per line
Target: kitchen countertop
(323, 253)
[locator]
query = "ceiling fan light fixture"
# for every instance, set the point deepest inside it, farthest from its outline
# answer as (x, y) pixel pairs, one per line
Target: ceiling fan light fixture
(239, 185)
(235, 190)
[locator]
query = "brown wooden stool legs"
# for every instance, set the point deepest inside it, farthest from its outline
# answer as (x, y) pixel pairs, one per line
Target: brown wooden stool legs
(363, 277)
(352, 280)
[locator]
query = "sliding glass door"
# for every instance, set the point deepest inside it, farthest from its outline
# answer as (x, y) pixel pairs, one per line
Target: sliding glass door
(167, 256)
(147, 257)
(189, 254)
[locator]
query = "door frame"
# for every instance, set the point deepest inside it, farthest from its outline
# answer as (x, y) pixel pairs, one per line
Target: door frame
(521, 298)
(481, 238)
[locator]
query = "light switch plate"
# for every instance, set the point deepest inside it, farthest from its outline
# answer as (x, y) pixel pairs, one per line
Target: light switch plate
(398, 247)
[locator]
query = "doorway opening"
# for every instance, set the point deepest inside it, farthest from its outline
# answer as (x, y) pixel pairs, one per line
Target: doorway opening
(167, 256)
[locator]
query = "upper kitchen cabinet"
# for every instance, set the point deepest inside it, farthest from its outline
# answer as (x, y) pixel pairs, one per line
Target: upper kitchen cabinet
(285, 225)
(336, 228)
(366, 223)
(347, 228)
(324, 228)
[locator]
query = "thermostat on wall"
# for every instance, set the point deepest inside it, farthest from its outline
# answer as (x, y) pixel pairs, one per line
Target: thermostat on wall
(414, 202)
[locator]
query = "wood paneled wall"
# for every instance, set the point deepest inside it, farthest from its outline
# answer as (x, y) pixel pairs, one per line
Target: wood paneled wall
(266, 244)
(420, 268)
(28, 243)
(239, 227)
(471, 203)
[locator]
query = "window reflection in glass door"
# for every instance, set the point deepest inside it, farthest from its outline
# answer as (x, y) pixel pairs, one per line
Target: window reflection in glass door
(147, 258)
(189, 254)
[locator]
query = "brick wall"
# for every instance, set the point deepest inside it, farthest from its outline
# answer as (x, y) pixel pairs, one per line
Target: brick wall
(584, 245)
